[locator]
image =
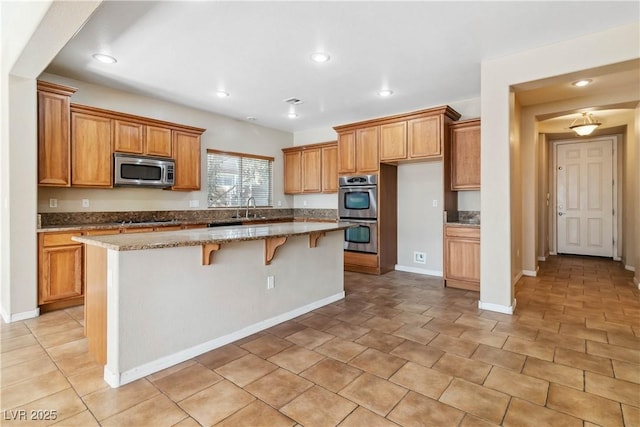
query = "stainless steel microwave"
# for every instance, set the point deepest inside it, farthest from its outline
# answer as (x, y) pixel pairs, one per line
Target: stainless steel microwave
(140, 171)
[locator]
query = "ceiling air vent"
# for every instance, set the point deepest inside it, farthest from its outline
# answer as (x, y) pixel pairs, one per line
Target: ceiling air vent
(293, 101)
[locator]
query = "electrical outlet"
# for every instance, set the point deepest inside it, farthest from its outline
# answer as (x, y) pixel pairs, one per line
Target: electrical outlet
(304, 203)
(194, 203)
(85, 203)
(279, 203)
(53, 203)
(434, 203)
(271, 282)
(420, 257)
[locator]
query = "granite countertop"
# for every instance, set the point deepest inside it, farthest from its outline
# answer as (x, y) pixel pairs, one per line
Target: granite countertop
(195, 237)
(125, 224)
(472, 224)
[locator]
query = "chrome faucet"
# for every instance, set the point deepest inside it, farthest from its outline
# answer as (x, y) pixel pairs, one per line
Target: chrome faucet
(254, 206)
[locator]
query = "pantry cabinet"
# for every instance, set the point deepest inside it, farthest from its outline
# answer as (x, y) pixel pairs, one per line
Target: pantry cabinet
(91, 150)
(462, 256)
(54, 130)
(186, 153)
(311, 168)
(465, 155)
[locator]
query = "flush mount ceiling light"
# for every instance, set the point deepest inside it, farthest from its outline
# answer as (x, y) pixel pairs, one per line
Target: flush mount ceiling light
(222, 94)
(587, 126)
(582, 83)
(385, 93)
(320, 57)
(107, 59)
(292, 115)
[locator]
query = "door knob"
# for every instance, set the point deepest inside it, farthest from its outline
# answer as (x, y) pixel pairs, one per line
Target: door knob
(560, 213)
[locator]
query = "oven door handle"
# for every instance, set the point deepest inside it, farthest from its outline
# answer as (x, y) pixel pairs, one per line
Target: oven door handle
(359, 221)
(358, 187)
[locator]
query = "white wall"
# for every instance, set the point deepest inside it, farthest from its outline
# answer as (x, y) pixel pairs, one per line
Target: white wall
(498, 75)
(419, 222)
(32, 34)
(222, 134)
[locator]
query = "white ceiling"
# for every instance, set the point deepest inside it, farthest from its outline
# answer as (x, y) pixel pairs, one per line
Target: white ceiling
(428, 53)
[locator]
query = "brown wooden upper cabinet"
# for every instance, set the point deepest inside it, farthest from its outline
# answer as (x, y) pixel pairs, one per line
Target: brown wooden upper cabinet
(138, 138)
(415, 136)
(186, 153)
(76, 142)
(465, 155)
(91, 151)
(358, 151)
(54, 129)
(367, 152)
(393, 141)
(311, 168)
(425, 137)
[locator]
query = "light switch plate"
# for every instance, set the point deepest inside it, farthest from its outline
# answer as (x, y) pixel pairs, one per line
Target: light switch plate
(194, 203)
(85, 203)
(53, 203)
(435, 203)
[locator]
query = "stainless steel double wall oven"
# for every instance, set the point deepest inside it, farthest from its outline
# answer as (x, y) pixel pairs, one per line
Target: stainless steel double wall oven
(358, 204)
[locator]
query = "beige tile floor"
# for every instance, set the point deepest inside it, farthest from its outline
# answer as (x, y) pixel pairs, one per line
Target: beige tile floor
(398, 350)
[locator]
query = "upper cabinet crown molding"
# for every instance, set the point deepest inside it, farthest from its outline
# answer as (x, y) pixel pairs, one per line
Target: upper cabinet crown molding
(444, 110)
(133, 118)
(56, 88)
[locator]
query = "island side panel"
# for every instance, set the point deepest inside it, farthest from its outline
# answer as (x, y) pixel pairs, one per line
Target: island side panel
(170, 305)
(95, 302)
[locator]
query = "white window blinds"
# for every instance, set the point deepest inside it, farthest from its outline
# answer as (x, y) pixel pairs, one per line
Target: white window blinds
(234, 177)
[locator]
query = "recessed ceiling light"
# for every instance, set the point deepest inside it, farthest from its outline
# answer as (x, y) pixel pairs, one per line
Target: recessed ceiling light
(320, 57)
(292, 115)
(222, 94)
(107, 59)
(582, 83)
(385, 92)
(252, 119)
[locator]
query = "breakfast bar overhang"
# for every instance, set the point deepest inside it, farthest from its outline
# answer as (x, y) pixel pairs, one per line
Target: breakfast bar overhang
(156, 299)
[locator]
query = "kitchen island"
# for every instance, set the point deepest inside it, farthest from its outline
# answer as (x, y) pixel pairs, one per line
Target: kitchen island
(156, 299)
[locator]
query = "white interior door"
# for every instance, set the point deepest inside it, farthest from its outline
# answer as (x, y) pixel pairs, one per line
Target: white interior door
(584, 179)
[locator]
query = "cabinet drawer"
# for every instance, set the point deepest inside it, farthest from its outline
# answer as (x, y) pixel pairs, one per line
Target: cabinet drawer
(468, 232)
(365, 260)
(60, 239)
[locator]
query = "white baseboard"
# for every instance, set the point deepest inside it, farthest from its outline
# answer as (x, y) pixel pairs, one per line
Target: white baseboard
(531, 273)
(515, 279)
(542, 258)
(8, 318)
(629, 267)
(417, 270)
(553, 253)
(116, 380)
(497, 307)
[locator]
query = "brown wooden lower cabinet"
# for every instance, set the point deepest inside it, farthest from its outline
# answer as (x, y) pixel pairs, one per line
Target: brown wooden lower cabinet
(60, 270)
(462, 257)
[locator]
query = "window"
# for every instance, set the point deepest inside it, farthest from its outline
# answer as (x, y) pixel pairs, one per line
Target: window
(234, 177)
